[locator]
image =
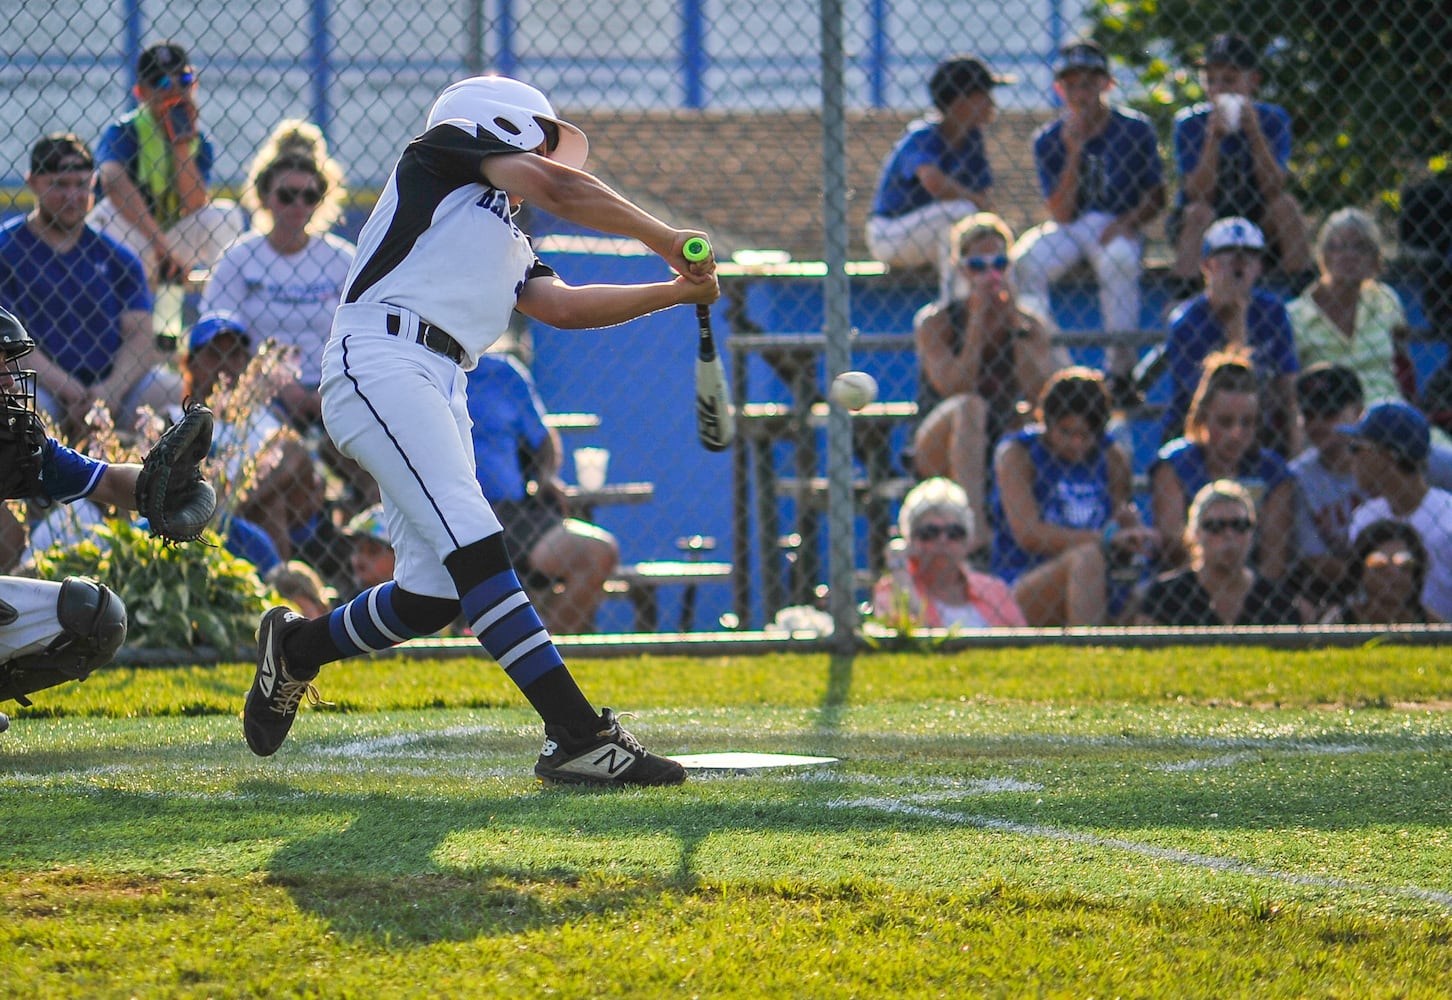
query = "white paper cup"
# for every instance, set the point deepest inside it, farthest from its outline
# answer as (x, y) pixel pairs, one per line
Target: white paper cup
(591, 465)
(1230, 106)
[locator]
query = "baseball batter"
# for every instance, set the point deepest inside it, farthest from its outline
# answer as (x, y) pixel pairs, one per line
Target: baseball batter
(440, 267)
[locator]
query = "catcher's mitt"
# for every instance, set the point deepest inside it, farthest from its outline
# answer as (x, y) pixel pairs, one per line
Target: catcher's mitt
(170, 491)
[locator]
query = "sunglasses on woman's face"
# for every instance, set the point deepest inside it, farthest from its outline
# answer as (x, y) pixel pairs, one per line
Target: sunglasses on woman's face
(932, 532)
(978, 265)
(1381, 560)
(180, 80)
(1220, 525)
(290, 196)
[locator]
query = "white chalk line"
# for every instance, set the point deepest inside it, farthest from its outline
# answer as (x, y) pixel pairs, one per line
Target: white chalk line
(1190, 858)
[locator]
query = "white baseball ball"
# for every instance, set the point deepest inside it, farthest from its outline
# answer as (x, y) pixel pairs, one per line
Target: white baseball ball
(854, 390)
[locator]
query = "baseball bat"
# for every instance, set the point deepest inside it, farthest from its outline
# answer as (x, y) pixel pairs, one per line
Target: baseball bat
(715, 426)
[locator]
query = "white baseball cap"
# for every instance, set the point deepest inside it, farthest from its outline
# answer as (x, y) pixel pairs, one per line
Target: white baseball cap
(1232, 233)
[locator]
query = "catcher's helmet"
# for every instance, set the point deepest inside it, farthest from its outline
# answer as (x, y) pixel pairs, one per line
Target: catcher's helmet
(512, 112)
(15, 342)
(19, 384)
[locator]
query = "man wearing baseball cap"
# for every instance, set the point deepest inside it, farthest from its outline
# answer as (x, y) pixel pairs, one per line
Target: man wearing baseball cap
(1232, 312)
(82, 296)
(938, 172)
(1100, 173)
(1232, 153)
(1390, 445)
(156, 166)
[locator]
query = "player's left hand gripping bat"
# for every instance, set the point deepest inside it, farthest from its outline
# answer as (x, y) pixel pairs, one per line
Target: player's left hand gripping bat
(715, 425)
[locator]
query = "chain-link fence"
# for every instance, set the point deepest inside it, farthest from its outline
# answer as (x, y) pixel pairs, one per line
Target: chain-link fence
(1021, 239)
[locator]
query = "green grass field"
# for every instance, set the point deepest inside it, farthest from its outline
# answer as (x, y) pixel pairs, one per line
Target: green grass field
(1044, 822)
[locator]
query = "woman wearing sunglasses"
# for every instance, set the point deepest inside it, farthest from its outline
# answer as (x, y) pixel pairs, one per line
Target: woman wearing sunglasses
(1386, 570)
(1220, 587)
(932, 584)
(283, 281)
(979, 354)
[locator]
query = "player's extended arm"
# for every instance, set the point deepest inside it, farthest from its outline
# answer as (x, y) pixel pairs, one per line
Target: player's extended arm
(585, 199)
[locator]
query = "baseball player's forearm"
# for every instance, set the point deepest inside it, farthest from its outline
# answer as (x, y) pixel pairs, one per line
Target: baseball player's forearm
(117, 487)
(580, 307)
(578, 197)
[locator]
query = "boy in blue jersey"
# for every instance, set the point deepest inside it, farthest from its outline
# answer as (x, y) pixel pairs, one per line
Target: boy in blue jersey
(1232, 313)
(1232, 153)
(1100, 172)
(938, 172)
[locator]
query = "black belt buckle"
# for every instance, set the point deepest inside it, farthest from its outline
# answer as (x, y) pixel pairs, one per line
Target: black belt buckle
(440, 342)
(429, 336)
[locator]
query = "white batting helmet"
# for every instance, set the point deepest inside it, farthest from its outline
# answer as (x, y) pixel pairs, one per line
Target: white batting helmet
(511, 111)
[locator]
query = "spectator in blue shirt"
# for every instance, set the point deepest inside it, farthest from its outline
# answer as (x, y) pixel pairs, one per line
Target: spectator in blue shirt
(82, 296)
(156, 166)
(938, 172)
(1233, 314)
(1232, 153)
(1100, 172)
(563, 560)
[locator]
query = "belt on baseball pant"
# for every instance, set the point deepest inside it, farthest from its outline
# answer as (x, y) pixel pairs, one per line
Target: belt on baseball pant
(429, 336)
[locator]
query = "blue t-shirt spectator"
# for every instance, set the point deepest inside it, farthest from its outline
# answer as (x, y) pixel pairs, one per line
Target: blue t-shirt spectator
(1236, 192)
(1195, 333)
(1069, 494)
(899, 191)
(1116, 167)
(72, 303)
(507, 413)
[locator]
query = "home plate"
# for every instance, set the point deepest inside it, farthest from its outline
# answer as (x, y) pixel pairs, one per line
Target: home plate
(737, 761)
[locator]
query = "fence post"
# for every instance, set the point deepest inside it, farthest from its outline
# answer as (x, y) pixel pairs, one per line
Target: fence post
(837, 318)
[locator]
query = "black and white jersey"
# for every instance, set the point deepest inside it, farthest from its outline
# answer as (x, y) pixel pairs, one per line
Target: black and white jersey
(441, 242)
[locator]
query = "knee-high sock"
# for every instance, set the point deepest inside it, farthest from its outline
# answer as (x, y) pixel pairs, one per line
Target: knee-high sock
(510, 630)
(379, 618)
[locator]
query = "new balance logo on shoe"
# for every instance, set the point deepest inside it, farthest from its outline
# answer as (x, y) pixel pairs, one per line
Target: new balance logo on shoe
(608, 763)
(615, 757)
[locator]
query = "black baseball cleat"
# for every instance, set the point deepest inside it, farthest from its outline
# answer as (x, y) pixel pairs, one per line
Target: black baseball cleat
(610, 756)
(276, 691)
(4, 722)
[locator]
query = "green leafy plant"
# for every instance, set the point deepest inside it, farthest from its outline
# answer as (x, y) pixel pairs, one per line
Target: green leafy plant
(176, 596)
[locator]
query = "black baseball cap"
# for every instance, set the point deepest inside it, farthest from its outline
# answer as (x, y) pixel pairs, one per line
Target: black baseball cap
(1326, 388)
(161, 60)
(1230, 49)
(61, 152)
(960, 76)
(1081, 54)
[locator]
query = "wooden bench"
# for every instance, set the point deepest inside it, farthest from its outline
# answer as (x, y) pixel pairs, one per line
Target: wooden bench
(640, 581)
